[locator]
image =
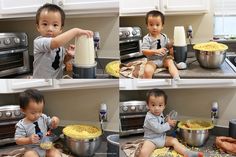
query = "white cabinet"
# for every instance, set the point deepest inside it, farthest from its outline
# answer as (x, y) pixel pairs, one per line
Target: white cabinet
(204, 83)
(185, 6)
(86, 83)
(137, 7)
(22, 84)
(18, 85)
(168, 7)
(143, 84)
(16, 7)
(88, 6)
(3, 86)
(28, 8)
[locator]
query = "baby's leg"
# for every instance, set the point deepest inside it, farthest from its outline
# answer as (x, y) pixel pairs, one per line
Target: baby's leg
(53, 153)
(147, 149)
(149, 70)
(31, 153)
(181, 149)
(169, 63)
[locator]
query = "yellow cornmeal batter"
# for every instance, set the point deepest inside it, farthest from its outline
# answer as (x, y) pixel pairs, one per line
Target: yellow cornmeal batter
(82, 131)
(46, 145)
(210, 46)
(113, 68)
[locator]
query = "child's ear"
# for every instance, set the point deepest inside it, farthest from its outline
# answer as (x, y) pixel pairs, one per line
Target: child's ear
(22, 110)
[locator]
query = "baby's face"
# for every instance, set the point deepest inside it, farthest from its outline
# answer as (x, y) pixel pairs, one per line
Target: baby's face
(154, 25)
(49, 23)
(156, 105)
(33, 111)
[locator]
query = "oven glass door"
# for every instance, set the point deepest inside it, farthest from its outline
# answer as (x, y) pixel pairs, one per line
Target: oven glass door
(7, 130)
(129, 47)
(132, 122)
(11, 60)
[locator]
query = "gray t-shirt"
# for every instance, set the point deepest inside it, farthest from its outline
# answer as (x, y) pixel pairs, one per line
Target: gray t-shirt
(149, 43)
(155, 128)
(48, 63)
(24, 129)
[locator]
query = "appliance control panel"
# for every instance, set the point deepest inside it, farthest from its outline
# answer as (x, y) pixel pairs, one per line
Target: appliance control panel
(10, 112)
(133, 107)
(13, 40)
(130, 32)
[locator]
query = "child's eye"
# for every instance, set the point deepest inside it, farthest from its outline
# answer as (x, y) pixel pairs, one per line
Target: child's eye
(45, 24)
(55, 25)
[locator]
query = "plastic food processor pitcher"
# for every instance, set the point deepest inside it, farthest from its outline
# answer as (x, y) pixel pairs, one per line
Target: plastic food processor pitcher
(84, 51)
(84, 62)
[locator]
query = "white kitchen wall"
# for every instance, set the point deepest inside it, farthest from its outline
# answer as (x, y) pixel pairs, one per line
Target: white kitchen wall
(82, 106)
(195, 103)
(106, 26)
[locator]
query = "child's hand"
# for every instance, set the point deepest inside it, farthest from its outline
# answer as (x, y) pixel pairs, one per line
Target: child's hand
(161, 51)
(34, 138)
(85, 32)
(71, 50)
(171, 122)
(54, 122)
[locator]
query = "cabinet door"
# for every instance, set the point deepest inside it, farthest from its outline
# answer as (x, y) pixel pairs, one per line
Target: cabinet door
(88, 6)
(22, 84)
(20, 6)
(152, 83)
(137, 7)
(185, 6)
(85, 83)
(205, 83)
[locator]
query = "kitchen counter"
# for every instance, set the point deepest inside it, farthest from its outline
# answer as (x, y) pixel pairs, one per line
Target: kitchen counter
(208, 149)
(194, 70)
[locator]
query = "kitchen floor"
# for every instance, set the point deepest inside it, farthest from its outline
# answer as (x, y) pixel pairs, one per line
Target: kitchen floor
(208, 149)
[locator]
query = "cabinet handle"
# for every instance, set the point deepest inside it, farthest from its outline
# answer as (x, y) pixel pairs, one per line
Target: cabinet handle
(156, 7)
(60, 3)
(47, 80)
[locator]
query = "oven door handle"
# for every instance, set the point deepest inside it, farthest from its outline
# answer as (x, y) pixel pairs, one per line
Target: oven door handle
(13, 51)
(7, 123)
(132, 116)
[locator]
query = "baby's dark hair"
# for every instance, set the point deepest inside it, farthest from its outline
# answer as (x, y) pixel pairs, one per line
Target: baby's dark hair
(53, 8)
(156, 92)
(30, 95)
(155, 13)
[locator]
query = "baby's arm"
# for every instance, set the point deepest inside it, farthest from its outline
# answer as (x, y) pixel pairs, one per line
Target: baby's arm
(27, 140)
(54, 122)
(70, 52)
(155, 126)
(65, 37)
(160, 52)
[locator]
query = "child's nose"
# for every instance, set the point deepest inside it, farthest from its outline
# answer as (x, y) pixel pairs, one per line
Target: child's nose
(50, 28)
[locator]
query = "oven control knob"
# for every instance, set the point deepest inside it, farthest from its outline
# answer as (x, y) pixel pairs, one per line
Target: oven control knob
(17, 40)
(134, 32)
(8, 114)
(132, 108)
(127, 34)
(140, 108)
(7, 41)
(125, 108)
(17, 113)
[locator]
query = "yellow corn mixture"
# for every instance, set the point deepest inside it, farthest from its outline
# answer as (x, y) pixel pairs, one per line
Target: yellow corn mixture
(113, 68)
(195, 125)
(46, 145)
(82, 131)
(210, 46)
(163, 152)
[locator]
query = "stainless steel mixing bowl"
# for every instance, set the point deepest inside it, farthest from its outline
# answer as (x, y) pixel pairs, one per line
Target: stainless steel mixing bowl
(210, 59)
(195, 136)
(85, 147)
